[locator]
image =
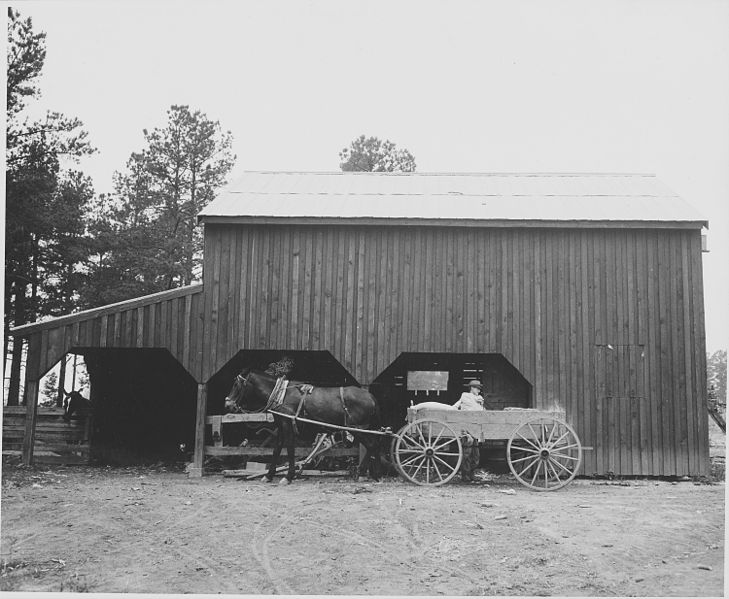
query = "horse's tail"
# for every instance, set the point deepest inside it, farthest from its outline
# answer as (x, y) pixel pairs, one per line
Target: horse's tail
(377, 415)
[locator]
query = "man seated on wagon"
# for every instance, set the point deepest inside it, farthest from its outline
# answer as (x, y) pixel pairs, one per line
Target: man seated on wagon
(470, 400)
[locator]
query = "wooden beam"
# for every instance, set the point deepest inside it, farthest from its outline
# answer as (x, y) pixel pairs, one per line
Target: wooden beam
(32, 388)
(196, 470)
(299, 452)
(232, 418)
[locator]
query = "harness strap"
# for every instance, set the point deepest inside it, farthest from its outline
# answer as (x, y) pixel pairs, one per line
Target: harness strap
(300, 406)
(277, 394)
(344, 406)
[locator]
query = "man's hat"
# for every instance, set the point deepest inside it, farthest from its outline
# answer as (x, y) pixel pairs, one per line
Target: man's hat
(475, 384)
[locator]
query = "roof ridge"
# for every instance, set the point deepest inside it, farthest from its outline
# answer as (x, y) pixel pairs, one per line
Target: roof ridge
(453, 174)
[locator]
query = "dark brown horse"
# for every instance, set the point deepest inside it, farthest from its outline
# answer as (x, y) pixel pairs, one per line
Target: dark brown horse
(75, 405)
(343, 406)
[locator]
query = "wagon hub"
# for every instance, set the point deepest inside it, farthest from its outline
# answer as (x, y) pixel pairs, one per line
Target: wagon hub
(429, 452)
(544, 453)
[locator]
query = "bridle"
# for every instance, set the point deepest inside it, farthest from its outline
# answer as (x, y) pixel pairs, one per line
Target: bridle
(243, 382)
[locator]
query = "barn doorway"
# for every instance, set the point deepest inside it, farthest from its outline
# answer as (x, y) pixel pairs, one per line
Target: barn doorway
(143, 406)
(318, 368)
(417, 377)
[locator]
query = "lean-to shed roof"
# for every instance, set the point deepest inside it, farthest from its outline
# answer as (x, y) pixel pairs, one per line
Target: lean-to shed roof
(485, 199)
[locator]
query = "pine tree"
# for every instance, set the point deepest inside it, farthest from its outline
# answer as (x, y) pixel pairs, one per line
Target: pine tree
(146, 234)
(33, 175)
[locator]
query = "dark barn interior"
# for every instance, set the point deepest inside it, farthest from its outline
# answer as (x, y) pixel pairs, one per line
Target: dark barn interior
(143, 405)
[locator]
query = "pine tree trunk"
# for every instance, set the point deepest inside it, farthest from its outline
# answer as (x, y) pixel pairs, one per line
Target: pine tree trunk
(14, 388)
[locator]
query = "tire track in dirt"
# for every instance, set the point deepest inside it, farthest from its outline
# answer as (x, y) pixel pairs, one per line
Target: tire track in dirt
(417, 555)
(260, 550)
(189, 558)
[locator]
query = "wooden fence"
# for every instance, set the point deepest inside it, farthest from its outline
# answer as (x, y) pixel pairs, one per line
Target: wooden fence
(56, 441)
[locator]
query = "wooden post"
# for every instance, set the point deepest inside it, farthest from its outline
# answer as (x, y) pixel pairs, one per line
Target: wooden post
(32, 388)
(202, 408)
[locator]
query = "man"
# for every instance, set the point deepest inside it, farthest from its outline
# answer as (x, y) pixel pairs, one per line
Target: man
(471, 400)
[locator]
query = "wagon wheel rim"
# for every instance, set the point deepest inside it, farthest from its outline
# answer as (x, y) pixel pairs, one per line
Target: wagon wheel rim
(544, 454)
(427, 452)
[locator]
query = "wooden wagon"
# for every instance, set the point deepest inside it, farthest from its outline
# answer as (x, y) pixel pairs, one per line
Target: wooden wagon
(543, 451)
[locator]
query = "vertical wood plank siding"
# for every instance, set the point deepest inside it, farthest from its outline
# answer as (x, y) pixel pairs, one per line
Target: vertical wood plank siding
(608, 324)
(173, 324)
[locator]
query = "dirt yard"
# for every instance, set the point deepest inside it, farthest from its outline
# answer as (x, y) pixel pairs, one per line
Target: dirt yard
(134, 530)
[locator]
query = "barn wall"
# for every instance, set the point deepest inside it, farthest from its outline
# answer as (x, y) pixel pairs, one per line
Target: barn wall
(606, 323)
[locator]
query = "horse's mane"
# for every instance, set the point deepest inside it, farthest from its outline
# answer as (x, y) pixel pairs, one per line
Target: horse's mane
(274, 378)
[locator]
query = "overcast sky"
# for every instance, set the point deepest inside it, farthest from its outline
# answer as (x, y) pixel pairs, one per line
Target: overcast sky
(634, 86)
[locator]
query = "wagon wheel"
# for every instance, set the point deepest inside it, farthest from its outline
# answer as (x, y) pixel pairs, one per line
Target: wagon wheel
(544, 453)
(427, 452)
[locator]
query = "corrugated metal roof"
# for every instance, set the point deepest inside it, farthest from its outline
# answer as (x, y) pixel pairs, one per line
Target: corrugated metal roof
(449, 196)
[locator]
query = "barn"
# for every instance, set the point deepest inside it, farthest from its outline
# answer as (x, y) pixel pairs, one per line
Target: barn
(580, 292)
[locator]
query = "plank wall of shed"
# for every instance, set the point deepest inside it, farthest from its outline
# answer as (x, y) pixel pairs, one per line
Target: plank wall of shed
(552, 301)
(171, 321)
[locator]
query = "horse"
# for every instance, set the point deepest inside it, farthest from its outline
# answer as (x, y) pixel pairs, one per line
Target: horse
(75, 403)
(353, 407)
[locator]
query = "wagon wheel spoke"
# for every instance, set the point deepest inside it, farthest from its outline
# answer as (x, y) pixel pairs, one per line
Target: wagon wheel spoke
(534, 434)
(551, 432)
(534, 459)
(411, 460)
(412, 441)
(558, 440)
(562, 455)
(420, 466)
(561, 447)
(568, 467)
(562, 466)
(528, 441)
(554, 471)
(529, 457)
(435, 443)
(536, 472)
(446, 464)
(445, 443)
(527, 449)
(435, 467)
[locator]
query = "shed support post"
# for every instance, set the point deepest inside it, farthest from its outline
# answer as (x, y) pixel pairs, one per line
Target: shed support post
(196, 470)
(31, 397)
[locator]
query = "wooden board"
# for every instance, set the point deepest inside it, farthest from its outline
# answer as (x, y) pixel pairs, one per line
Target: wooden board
(299, 452)
(485, 424)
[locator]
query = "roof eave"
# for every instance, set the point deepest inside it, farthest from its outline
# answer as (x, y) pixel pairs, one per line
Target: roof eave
(452, 222)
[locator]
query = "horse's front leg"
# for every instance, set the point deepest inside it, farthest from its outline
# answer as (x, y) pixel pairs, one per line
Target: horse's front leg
(276, 454)
(290, 446)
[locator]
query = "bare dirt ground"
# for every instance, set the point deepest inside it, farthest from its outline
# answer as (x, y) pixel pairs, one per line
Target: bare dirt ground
(155, 530)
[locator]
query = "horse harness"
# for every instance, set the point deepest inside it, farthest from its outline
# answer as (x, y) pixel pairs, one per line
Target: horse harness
(278, 393)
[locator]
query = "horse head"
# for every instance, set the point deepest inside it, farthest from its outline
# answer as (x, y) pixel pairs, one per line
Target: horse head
(242, 392)
(74, 403)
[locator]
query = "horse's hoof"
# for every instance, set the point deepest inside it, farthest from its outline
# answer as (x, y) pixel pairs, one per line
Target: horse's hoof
(265, 479)
(284, 481)
(360, 479)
